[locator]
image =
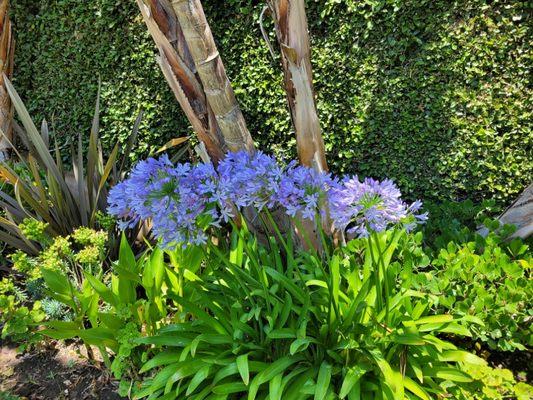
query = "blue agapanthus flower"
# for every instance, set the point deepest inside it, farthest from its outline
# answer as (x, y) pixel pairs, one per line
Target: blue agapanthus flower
(130, 200)
(302, 190)
(188, 207)
(180, 200)
(249, 180)
(358, 207)
(183, 201)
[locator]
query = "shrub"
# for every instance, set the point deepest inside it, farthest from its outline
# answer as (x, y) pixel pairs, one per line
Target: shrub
(26, 304)
(492, 384)
(113, 309)
(18, 321)
(483, 278)
(433, 94)
(113, 306)
(488, 278)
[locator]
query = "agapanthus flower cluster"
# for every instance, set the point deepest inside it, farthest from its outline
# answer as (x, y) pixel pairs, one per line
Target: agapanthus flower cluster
(302, 190)
(186, 205)
(184, 200)
(358, 207)
(180, 200)
(249, 180)
(128, 200)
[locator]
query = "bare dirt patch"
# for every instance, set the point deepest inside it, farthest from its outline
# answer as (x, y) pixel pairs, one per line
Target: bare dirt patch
(54, 373)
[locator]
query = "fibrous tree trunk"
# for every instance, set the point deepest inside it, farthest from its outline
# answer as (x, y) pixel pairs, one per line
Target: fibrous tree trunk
(292, 33)
(217, 87)
(7, 47)
(290, 22)
(195, 72)
(180, 72)
(520, 214)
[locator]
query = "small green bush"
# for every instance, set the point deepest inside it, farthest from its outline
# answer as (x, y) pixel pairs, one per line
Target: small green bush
(432, 94)
(26, 303)
(485, 277)
(18, 321)
(492, 384)
(482, 279)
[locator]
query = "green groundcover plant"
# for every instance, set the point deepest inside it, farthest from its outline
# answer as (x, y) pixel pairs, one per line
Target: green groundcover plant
(488, 278)
(492, 384)
(24, 301)
(485, 275)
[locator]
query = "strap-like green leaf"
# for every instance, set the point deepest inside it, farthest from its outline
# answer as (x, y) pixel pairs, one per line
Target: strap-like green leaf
(415, 388)
(242, 366)
(277, 367)
(105, 293)
(163, 358)
(447, 373)
(323, 381)
(353, 375)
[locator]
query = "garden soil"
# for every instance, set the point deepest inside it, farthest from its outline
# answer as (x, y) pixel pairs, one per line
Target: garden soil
(54, 373)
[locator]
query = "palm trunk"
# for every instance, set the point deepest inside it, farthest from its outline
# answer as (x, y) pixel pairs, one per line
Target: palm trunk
(290, 22)
(195, 72)
(7, 47)
(293, 37)
(217, 87)
(519, 214)
(179, 70)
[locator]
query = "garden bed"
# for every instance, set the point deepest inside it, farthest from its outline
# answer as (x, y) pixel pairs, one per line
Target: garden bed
(58, 372)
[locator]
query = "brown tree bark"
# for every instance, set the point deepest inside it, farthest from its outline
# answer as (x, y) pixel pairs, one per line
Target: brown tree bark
(217, 87)
(7, 48)
(290, 22)
(178, 67)
(292, 33)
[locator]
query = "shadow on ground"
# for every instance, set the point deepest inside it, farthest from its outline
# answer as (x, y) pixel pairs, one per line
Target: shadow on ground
(59, 373)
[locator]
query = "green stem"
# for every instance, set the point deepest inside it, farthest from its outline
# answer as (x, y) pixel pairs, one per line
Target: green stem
(385, 276)
(375, 270)
(276, 230)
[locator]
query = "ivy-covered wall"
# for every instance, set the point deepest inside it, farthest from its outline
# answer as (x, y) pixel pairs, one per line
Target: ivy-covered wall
(435, 94)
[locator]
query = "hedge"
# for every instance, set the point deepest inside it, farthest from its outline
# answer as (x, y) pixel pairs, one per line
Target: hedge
(431, 93)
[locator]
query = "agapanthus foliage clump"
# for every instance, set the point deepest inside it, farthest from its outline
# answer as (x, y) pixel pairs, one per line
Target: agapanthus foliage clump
(184, 200)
